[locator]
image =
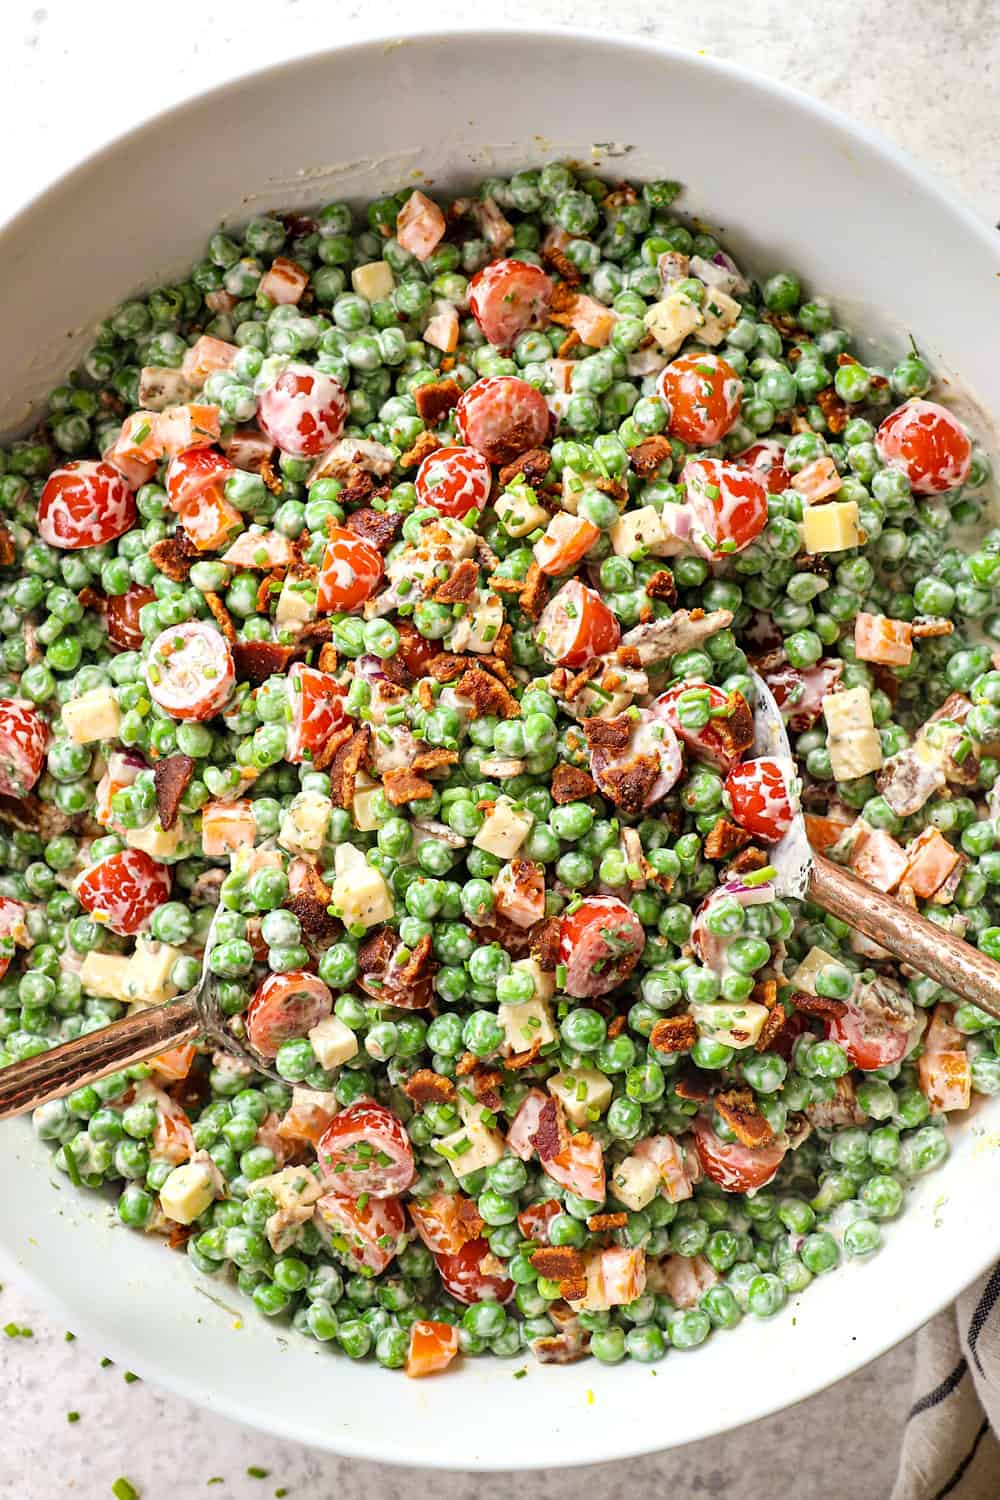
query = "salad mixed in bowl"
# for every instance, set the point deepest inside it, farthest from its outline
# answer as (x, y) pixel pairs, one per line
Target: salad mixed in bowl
(394, 583)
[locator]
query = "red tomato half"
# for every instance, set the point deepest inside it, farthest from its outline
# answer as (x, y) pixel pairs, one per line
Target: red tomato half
(462, 1277)
(24, 735)
(285, 1006)
(445, 1221)
(766, 459)
(303, 412)
(575, 625)
(708, 744)
(123, 890)
(365, 1149)
(349, 574)
(369, 1233)
(729, 505)
(703, 394)
(122, 617)
(503, 417)
(878, 1026)
(758, 794)
(190, 671)
(194, 473)
(799, 693)
(599, 943)
(84, 504)
(507, 297)
(454, 481)
(415, 650)
(317, 704)
(928, 443)
(735, 1167)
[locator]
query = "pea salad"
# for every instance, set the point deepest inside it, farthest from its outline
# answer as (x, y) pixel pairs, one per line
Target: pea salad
(388, 591)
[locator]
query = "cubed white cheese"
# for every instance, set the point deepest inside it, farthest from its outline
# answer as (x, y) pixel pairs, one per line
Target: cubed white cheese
(505, 830)
(637, 531)
(582, 1092)
(304, 825)
(852, 739)
(478, 630)
(333, 1042)
(832, 527)
(475, 1145)
(103, 974)
(289, 1188)
(156, 841)
(147, 972)
(519, 512)
(359, 892)
(734, 1023)
(363, 806)
(672, 320)
(188, 1191)
(544, 982)
(526, 1023)
(314, 1099)
(296, 605)
(374, 282)
(92, 716)
(635, 1182)
(804, 977)
(720, 312)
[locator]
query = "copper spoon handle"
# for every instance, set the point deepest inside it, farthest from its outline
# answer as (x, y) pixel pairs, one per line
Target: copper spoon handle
(50, 1075)
(907, 935)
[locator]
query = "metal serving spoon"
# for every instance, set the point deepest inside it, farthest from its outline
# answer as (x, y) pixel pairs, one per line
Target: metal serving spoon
(804, 874)
(144, 1033)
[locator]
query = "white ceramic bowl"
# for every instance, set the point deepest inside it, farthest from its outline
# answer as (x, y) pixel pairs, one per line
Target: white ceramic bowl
(789, 184)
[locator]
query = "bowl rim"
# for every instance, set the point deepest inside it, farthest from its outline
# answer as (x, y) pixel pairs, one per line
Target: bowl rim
(139, 1354)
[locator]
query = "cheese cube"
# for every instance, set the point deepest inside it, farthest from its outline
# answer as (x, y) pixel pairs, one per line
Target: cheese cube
(291, 1187)
(832, 527)
(188, 1191)
(671, 320)
(92, 716)
(363, 809)
(852, 739)
(720, 313)
(581, 1091)
(333, 1042)
(505, 830)
(359, 892)
(635, 1182)
(304, 826)
(156, 841)
(296, 605)
(477, 631)
(475, 1145)
(147, 972)
(638, 530)
(544, 982)
(734, 1023)
(526, 1023)
(519, 512)
(103, 974)
(374, 282)
(804, 977)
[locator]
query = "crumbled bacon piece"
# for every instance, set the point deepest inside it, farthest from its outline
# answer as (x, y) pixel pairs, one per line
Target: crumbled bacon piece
(405, 785)
(272, 480)
(562, 265)
(345, 765)
(571, 784)
(535, 594)
(725, 839)
(169, 558)
(836, 412)
(673, 1034)
(558, 1262)
(927, 626)
(692, 1087)
(256, 661)
(629, 785)
(530, 468)
(318, 926)
(434, 760)
(436, 399)
(467, 1063)
(662, 586)
(647, 456)
(428, 1087)
(568, 344)
(740, 1110)
(598, 1223)
(328, 658)
(460, 584)
(487, 695)
(608, 734)
(735, 728)
(375, 950)
(171, 779)
(616, 1027)
(8, 552)
(379, 528)
(819, 1005)
(524, 1059)
(222, 618)
(545, 944)
(551, 1134)
(426, 443)
(747, 859)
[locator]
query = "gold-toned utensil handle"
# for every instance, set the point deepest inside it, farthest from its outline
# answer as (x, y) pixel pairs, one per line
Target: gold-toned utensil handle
(50, 1075)
(907, 935)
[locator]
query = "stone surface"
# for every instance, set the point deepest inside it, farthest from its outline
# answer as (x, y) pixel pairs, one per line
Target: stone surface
(77, 74)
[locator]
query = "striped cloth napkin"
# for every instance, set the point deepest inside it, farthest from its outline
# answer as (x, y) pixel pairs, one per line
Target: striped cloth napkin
(950, 1445)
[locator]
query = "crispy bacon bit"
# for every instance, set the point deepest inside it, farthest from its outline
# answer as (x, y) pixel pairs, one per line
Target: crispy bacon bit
(503, 651)
(598, 1223)
(434, 760)
(674, 1034)
(725, 839)
(487, 695)
(739, 1109)
(379, 528)
(256, 661)
(928, 626)
(425, 443)
(89, 598)
(545, 944)
(404, 785)
(571, 784)
(428, 1087)
(460, 585)
(469, 1218)
(345, 765)
(425, 695)
(323, 757)
(568, 344)
(168, 557)
(819, 1005)
(647, 456)
(562, 265)
(662, 586)
(747, 859)
(356, 492)
(735, 728)
(564, 300)
(692, 1087)
(772, 1028)
(608, 734)
(616, 1027)
(467, 1063)
(171, 779)
(328, 658)
(836, 412)
(535, 594)
(8, 552)
(436, 400)
(319, 927)
(628, 656)
(629, 785)
(273, 481)
(375, 951)
(530, 468)
(222, 618)
(524, 1059)
(418, 963)
(558, 1262)
(551, 1135)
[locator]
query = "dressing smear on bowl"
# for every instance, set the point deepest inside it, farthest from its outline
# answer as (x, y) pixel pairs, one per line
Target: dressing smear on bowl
(394, 583)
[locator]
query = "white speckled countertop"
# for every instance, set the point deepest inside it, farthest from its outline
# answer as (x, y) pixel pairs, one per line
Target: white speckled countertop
(76, 74)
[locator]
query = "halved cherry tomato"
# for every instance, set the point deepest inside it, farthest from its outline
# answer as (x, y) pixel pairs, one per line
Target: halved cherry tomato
(368, 1232)
(758, 795)
(190, 671)
(735, 1167)
(567, 538)
(122, 617)
(445, 1221)
(575, 625)
(123, 890)
(12, 930)
(349, 574)
(799, 693)
(729, 505)
(454, 481)
(465, 1281)
(507, 297)
(303, 412)
(195, 473)
(599, 942)
(415, 650)
(84, 504)
(365, 1149)
(433, 1346)
(928, 443)
(767, 460)
(317, 704)
(703, 394)
(534, 1220)
(711, 743)
(503, 417)
(871, 1038)
(285, 1006)
(24, 735)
